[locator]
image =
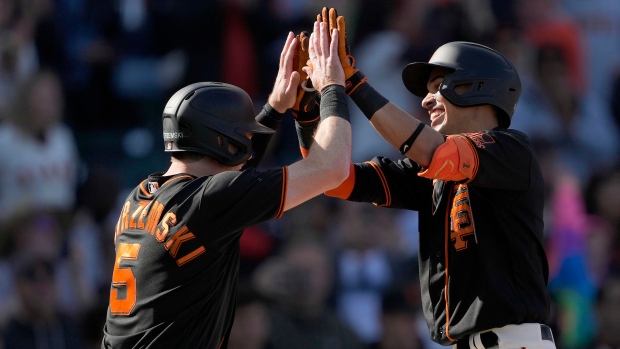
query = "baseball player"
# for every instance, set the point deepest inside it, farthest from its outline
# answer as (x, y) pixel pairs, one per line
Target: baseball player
(477, 186)
(177, 238)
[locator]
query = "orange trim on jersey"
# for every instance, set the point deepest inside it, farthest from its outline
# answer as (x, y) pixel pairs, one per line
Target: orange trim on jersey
(283, 197)
(304, 152)
(175, 178)
(386, 188)
(455, 160)
(222, 342)
(446, 252)
(344, 190)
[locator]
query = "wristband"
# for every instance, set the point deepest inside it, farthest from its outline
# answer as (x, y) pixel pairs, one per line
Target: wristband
(354, 81)
(334, 102)
(368, 99)
(407, 144)
(269, 117)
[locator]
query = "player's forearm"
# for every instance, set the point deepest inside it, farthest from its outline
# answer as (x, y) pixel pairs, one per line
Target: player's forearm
(333, 149)
(396, 126)
(333, 137)
(328, 161)
(325, 167)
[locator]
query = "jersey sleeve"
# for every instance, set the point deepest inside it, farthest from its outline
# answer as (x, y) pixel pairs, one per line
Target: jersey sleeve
(384, 182)
(236, 200)
(491, 159)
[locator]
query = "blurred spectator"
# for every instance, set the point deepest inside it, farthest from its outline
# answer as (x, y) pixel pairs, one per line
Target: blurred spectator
(145, 69)
(32, 233)
(251, 329)
(579, 127)
(600, 249)
(300, 281)
(34, 253)
(37, 150)
(256, 244)
(363, 270)
(603, 200)
(615, 97)
(18, 53)
(599, 24)
(316, 219)
(89, 247)
(398, 318)
(39, 322)
(381, 55)
(558, 105)
(571, 281)
(608, 314)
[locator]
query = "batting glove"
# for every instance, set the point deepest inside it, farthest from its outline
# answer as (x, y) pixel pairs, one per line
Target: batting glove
(354, 78)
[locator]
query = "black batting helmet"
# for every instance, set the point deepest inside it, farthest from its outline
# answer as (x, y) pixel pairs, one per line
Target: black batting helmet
(494, 79)
(207, 116)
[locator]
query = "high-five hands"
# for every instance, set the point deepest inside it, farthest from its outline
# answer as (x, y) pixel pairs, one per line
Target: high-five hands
(325, 68)
(306, 108)
(353, 76)
(285, 88)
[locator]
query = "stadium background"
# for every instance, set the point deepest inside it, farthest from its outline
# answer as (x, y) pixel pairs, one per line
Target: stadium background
(82, 87)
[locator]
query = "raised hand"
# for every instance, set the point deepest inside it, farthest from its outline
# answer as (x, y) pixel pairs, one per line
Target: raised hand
(353, 76)
(324, 68)
(284, 91)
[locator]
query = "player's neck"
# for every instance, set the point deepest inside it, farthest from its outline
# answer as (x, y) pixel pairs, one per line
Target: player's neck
(204, 167)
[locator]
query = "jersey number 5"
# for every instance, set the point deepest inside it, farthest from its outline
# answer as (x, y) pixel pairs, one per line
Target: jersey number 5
(123, 278)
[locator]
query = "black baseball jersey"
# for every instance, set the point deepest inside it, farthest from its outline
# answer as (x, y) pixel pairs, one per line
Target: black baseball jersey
(177, 256)
(481, 254)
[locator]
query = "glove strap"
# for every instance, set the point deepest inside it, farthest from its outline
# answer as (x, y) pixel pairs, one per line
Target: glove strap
(354, 81)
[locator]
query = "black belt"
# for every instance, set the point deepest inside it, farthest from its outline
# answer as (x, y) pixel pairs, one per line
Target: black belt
(489, 339)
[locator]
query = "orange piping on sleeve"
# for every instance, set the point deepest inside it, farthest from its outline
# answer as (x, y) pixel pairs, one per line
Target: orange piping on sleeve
(386, 188)
(284, 186)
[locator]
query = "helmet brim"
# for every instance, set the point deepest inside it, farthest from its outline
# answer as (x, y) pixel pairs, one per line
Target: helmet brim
(415, 77)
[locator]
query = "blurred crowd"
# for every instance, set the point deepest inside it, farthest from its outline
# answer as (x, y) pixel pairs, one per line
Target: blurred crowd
(82, 87)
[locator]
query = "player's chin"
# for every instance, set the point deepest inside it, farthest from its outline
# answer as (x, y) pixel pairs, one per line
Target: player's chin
(439, 127)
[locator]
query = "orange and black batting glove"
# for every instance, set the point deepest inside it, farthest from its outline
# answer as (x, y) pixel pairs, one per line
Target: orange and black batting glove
(354, 78)
(306, 111)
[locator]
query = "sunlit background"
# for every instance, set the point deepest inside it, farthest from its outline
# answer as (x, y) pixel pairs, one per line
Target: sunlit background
(83, 84)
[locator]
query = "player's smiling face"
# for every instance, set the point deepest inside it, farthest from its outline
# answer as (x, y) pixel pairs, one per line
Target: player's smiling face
(446, 118)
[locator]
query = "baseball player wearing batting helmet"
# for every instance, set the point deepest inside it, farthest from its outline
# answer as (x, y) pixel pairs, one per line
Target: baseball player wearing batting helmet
(177, 238)
(477, 186)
